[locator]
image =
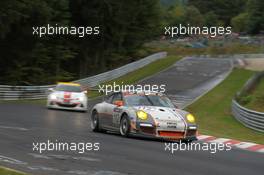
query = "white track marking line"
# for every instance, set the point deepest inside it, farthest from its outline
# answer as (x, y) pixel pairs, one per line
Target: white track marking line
(74, 158)
(86, 159)
(202, 137)
(39, 156)
(15, 128)
(244, 145)
(43, 168)
(11, 160)
(240, 145)
(260, 150)
(219, 140)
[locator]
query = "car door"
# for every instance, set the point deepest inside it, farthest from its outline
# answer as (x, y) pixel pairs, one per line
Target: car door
(104, 115)
(111, 109)
(117, 111)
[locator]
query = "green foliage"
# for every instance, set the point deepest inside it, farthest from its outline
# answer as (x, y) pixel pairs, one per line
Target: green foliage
(176, 15)
(124, 27)
(251, 19)
(193, 16)
(205, 13)
(256, 102)
(244, 99)
(211, 19)
(239, 22)
(225, 10)
(168, 3)
(27, 59)
(256, 16)
(184, 15)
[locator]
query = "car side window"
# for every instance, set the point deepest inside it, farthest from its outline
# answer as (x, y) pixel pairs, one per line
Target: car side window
(116, 97)
(109, 98)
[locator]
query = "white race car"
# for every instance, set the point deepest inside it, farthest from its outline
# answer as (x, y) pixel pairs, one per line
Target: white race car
(68, 96)
(140, 113)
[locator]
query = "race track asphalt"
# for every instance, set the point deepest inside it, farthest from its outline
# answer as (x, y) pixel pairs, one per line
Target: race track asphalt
(23, 124)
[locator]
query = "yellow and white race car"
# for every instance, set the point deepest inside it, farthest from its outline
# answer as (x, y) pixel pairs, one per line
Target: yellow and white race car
(68, 96)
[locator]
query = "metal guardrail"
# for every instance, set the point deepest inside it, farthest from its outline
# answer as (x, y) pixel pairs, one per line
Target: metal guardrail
(40, 92)
(249, 118)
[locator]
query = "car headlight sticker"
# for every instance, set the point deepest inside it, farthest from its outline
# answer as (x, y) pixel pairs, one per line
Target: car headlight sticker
(142, 115)
(81, 98)
(190, 118)
(53, 97)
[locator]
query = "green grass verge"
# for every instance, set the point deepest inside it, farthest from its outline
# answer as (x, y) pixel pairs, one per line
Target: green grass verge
(213, 111)
(256, 98)
(7, 171)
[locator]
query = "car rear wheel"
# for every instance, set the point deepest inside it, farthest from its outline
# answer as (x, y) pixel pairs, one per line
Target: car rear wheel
(95, 122)
(124, 126)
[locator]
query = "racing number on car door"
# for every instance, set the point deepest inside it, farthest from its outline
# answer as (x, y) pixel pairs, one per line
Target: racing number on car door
(106, 111)
(108, 120)
(116, 110)
(116, 116)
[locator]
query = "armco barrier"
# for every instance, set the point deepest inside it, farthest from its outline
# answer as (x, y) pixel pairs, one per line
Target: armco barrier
(249, 118)
(40, 92)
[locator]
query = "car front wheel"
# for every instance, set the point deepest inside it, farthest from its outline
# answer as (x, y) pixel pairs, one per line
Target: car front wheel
(95, 122)
(124, 126)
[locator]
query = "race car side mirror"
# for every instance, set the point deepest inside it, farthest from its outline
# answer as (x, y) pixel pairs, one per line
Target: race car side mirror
(119, 103)
(85, 92)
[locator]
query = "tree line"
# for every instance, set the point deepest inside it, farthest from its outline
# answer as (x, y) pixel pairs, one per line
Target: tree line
(30, 60)
(245, 16)
(125, 26)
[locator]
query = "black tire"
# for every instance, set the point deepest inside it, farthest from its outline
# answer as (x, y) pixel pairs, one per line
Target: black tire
(187, 142)
(124, 127)
(95, 122)
(84, 111)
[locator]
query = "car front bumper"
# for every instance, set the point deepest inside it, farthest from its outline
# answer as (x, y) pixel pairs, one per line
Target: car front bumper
(77, 106)
(150, 130)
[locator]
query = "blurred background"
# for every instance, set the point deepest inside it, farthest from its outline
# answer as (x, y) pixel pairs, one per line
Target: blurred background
(130, 30)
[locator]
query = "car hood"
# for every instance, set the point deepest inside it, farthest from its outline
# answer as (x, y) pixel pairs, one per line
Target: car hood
(163, 113)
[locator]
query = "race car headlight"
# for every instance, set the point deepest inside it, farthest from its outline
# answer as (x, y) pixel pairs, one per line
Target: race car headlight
(142, 115)
(190, 118)
(53, 97)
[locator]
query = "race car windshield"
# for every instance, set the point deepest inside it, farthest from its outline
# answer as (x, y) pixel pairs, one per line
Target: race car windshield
(68, 88)
(148, 100)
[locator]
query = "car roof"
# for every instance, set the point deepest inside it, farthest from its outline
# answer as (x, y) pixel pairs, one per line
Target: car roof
(68, 83)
